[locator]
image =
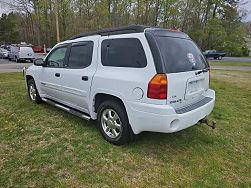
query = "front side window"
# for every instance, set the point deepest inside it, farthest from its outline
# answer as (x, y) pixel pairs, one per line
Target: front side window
(80, 55)
(56, 58)
(125, 52)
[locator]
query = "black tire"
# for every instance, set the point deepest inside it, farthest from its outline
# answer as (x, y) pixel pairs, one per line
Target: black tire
(220, 58)
(126, 134)
(16, 60)
(32, 86)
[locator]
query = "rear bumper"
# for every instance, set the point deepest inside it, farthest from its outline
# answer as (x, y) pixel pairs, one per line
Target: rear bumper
(163, 118)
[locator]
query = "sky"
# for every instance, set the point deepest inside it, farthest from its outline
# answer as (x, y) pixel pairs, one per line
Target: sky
(247, 6)
(5, 8)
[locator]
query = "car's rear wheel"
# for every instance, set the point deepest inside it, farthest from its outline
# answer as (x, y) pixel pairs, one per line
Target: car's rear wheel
(33, 92)
(220, 58)
(16, 59)
(113, 122)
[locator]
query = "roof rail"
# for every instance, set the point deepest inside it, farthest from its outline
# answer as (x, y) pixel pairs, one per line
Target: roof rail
(114, 31)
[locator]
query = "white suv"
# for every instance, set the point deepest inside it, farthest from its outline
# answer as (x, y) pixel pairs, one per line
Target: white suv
(130, 79)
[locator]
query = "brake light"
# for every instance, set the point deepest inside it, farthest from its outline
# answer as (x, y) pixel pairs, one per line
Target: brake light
(157, 87)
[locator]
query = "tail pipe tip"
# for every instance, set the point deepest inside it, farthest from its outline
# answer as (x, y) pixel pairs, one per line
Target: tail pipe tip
(206, 121)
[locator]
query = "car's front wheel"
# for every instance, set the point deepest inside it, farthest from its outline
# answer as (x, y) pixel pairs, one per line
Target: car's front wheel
(33, 92)
(113, 122)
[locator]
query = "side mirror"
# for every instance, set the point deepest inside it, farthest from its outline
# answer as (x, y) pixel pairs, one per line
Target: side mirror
(39, 62)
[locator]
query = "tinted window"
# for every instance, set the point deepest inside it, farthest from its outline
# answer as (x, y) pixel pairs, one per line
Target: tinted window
(80, 55)
(56, 58)
(123, 53)
(180, 55)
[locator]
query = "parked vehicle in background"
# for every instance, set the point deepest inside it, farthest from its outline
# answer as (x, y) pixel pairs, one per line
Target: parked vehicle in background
(129, 79)
(37, 49)
(20, 52)
(4, 53)
(214, 54)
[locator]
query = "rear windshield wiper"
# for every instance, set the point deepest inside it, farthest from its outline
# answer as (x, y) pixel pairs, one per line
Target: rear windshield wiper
(201, 71)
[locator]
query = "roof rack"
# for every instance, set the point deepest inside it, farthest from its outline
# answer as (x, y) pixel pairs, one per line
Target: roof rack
(114, 31)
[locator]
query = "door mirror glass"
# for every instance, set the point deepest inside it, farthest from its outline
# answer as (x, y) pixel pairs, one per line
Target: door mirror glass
(39, 62)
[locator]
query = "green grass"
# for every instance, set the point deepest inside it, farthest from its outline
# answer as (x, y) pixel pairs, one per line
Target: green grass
(226, 63)
(42, 146)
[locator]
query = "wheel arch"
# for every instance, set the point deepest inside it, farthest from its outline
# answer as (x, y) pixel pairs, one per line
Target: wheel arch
(101, 97)
(27, 78)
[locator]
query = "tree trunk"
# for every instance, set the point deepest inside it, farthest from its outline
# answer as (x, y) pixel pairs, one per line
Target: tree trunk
(57, 21)
(156, 16)
(109, 12)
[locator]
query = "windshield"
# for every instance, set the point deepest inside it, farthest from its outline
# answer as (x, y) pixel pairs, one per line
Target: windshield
(180, 55)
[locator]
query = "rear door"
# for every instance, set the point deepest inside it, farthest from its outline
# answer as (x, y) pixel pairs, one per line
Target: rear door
(77, 77)
(186, 69)
(26, 53)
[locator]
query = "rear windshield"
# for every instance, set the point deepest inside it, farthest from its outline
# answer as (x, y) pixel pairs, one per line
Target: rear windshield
(26, 48)
(180, 55)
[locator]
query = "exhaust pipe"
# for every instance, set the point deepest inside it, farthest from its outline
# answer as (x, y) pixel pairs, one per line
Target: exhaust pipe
(206, 121)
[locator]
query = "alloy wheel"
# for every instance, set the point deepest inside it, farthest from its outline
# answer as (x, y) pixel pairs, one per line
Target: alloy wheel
(33, 93)
(111, 123)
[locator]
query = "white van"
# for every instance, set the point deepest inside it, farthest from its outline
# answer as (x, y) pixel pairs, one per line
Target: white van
(19, 53)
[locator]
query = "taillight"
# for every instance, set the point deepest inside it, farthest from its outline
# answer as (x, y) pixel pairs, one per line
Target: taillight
(157, 87)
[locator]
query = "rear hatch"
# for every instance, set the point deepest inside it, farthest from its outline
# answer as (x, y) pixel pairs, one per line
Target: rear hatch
(186, 69)
(26, 53)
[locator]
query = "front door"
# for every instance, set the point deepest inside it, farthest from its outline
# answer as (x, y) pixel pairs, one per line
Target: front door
(76, 78)
(50, 82)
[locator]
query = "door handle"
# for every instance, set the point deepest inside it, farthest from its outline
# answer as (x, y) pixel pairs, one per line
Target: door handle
(85, 78)
(57, 74)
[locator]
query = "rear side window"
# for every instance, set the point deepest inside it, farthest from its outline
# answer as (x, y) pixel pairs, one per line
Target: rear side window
(180, 55)
(126, 52)
(80, 55)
